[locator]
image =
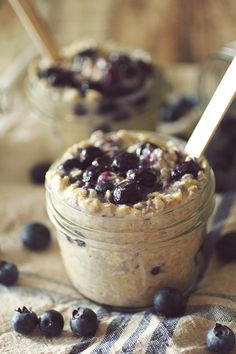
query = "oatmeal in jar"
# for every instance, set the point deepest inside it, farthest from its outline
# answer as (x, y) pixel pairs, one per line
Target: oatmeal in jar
(130, 209)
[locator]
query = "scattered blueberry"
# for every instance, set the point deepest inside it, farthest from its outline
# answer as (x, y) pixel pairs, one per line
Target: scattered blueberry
(24, 321)
(8, 273)
(70, 164)
(127, 192)
(103, 186)
(38, 172)
(89, 154)
(220, 339)
(124, 161)
(84, 322)
(173, 111)
(35, 236)
(169, 302)
(51, 323)
(186, 167)
(226, 247)
(144, 176)
(79, 109)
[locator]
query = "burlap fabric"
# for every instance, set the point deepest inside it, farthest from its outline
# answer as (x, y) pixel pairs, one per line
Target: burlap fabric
(43, 283)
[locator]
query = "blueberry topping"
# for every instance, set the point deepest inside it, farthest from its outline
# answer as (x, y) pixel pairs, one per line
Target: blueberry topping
(38, 172)
(145, 149)
(173, 111)
(103, 186)
(220, 339)
(84, 322)
(144, 176)
(35, 236)
(79, 109)
(24, 321)
(91, 174)
(124, 161)
(103, 161)
(57, 76)
(8, 273)
(89, 154)
(51, 323)
(106, 176)
(169, 302)
(226, 247)
(187, 167)
(71, 164)
(127, 192)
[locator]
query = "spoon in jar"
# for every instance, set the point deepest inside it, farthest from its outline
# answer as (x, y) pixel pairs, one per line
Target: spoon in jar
(213, 113)
(36, 29)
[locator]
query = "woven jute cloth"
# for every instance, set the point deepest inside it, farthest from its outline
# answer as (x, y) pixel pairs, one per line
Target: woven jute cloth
(43, 283)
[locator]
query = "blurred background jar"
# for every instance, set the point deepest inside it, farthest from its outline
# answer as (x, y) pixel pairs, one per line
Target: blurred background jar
(94, 87)
(220, 152)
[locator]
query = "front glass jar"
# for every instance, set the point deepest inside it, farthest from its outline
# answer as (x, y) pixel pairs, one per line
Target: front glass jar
(98, 97)
(122, 261)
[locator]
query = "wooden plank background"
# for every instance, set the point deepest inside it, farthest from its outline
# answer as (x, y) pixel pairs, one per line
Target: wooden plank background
(172, 30)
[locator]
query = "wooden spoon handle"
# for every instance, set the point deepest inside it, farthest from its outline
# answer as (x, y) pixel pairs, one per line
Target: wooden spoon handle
(35, 28)
(213, 113)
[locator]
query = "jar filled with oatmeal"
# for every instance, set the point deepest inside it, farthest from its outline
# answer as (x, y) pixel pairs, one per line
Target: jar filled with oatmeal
(94, 87)
(130, 210)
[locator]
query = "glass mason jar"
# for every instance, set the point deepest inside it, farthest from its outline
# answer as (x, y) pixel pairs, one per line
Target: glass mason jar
(55, 106)
(122, 261)
(211, 72)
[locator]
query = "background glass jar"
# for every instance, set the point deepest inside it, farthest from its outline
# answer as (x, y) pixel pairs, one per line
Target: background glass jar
(220, 152)
(122, 261)
(69, 117)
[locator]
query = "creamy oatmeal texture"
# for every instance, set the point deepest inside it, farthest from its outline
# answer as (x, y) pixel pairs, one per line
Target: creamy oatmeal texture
(95, 87)
(132, 218)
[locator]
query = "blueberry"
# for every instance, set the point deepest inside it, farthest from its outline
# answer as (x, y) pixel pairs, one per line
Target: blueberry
(57, 76)
(145, 149)
(106, 176)
(173, 111)
(144, 176)
(169, 302)
(24, 321)
(89, 154)
(38, 172)
(8, 273)
(51, 323)
(226, 247)
(103, 186)
(186, 167)
(124, 161)
(91, 173)
(35, 236)
(79, 109)
(220, 339)
(127, 192)
(130, 70)
(84, 322)
(71, 164)
(103, 161)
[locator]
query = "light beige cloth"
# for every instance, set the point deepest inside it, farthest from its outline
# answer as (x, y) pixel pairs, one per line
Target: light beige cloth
(43, 283)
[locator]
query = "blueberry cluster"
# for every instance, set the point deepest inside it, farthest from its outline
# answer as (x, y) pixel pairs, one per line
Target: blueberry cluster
(83, 322)
(130, 177)
(120, 74)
